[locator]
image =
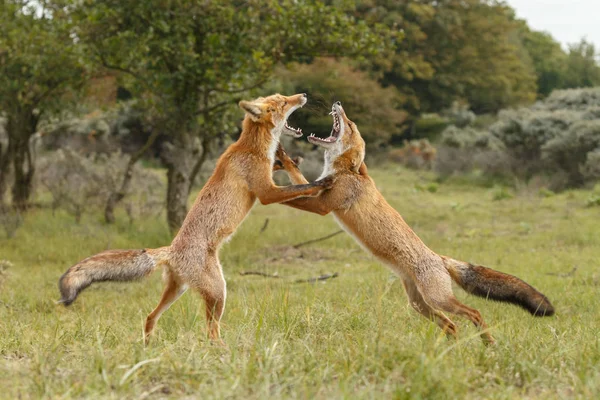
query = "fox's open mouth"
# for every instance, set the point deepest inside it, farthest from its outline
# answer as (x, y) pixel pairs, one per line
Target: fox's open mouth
(296, 132)
(335, 131)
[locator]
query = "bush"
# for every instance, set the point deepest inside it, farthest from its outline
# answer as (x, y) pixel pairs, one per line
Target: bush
(415, 154)
(372, 107)
(591, 168)
(558, 138)
(119, 128)
(80, 184)
(10, 220)
(524, 132)
(430, 126)
(469, 138)
(573, 99)
(460, 115)
(570, 151)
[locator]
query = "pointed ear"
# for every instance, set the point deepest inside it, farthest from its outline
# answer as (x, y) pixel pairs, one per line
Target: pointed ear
(252, 108)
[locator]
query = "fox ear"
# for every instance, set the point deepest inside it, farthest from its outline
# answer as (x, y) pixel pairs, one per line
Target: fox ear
(252, 108)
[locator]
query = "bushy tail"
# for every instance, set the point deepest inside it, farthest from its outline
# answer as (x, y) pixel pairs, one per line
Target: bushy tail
(110, 265)
(494, 285)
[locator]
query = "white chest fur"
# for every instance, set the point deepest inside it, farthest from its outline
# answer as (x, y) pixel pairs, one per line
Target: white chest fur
(275, 135)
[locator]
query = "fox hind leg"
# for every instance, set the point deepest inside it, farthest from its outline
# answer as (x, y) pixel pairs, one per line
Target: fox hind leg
(172, 291)
(213, 289)
(436, 289)
(417, 302)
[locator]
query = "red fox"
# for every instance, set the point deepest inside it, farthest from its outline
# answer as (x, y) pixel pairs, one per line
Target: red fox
(362, 211)
(242, 174)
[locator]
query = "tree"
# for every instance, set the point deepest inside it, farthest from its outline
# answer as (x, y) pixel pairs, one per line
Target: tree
(548, 58)
(582, 66)
(375, 109)
(454, 50)
(39, 62)
(190, 61)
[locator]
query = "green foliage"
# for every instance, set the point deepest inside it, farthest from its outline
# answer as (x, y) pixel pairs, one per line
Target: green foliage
(374, 109)
(38, 59)
(570, 150)
(190, 59)
(39, 63)
(460, 114)
(548, 58)
(559, 137)
(469, 138)
(451, 51)
(525, 131)
(189, 62)
(591, 169)
(430, 126)
(501, 193)
(582, 65)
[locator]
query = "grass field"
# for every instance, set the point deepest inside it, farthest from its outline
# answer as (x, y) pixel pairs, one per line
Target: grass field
(350, 337)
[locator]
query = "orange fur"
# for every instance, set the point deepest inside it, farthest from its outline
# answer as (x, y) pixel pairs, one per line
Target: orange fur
(242, 175)
(363, 212)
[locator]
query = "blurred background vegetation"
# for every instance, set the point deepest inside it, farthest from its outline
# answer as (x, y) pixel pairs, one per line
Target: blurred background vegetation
(99, 98)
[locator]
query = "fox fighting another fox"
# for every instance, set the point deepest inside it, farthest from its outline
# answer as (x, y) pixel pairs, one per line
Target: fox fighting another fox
(244, 173)
(361, 211)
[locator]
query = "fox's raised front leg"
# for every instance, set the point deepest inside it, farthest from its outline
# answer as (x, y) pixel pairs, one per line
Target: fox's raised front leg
(290, 166)
(269, 193)
(317, 205)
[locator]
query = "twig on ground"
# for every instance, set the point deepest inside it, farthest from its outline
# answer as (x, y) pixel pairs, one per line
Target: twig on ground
(307, 280)
(565, 275)
(264, 227)
(244, 273)
(318, 278)
(297, 246)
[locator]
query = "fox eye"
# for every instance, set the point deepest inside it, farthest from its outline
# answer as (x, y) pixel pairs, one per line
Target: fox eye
(271, 110)
(285, 103)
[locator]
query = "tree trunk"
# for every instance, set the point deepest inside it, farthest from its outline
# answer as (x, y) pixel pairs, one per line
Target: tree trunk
(24, 168)
(5, 165)
(117, 196)
(183, 159)
(20, 130)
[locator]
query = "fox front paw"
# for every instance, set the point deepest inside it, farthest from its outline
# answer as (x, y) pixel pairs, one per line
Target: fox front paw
(327, 182)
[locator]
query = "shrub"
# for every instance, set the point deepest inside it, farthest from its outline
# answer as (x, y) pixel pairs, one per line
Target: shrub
(569, 151)
(501, 193)
(81, 184)
(460, 115)
(591, 168)
(469, 138)
(573, 99)
(593, 201)
(10, 220)
(430, 126)
(415, 154)
(524, 132)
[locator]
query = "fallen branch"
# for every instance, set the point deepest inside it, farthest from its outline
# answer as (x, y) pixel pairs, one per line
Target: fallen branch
(244, 273)
(264, 227)
(566, 275)
(307, 280)
(297, 246)
(319, 278)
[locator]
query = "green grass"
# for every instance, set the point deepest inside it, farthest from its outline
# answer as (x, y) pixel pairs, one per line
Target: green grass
(349, 337)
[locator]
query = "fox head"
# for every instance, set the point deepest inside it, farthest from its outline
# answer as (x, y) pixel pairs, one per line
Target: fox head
(344, 143)
(272, 112)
